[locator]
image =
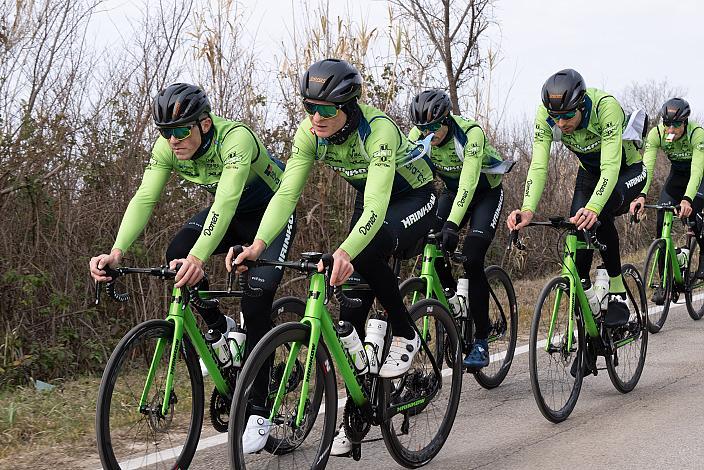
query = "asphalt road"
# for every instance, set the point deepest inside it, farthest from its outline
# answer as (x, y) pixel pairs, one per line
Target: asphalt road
(658, 425)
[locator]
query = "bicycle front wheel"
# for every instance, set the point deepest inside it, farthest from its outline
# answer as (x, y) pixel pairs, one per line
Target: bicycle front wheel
(290, 444)
(555, 354)
(658, 284)
(423, 402)
(134, 436)
(630, 342)
(694, 294)
(503, 328)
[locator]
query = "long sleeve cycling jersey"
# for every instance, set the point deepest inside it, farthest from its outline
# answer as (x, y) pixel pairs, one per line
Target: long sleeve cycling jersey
(597, 143)
(686, 155)
(236, 168)
(377, 160)
(459, 161)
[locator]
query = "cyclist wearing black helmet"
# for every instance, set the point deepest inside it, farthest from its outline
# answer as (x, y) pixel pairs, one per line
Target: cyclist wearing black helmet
(394, 203)
(682, 141)
(460, 153)
(590, 123)
(228, 160)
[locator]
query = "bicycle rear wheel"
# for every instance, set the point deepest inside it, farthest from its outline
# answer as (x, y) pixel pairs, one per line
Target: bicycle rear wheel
(625, 365)
(658, 284)
(556, 367)
(304, 446)
(694, 293)
(129, 436)
(503, 328)
(423, 403)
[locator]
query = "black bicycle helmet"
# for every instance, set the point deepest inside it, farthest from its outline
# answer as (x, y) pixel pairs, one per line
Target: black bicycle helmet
(564, 91)
(179, 104)
(331, 80)
(429, 107)
(675, 109)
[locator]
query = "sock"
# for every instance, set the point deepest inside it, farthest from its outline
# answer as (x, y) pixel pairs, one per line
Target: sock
(616, 285)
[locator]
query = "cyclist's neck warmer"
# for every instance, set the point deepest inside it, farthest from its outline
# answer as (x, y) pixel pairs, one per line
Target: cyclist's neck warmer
(354, 115)
(586, 110)
(206, 140)
(451, 129)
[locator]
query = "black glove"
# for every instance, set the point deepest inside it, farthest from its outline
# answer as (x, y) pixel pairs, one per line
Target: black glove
(450, 236)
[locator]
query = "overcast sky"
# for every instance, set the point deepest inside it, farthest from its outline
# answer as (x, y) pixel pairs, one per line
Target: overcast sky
(611, 43)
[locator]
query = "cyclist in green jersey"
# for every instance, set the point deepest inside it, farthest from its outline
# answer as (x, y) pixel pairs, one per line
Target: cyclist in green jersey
(590, 123)
(227, 159)
(460, 152)
(395, 203)
(682, 141)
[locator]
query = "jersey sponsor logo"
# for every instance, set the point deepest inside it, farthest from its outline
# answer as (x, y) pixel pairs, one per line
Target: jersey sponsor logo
(382, 155)
(448, 168)
(269, 171)
(349, 172)
(582, 149)
(210, 187)
(634, 181)
(602, 188)
(213, 220)
(417, 215)
(609, 129)
(364, 229)
(463, 199)
(474, 149)
(497, 212)
(529, 183)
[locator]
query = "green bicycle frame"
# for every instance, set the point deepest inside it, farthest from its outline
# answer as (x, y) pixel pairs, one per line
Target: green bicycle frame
(670, 253)
(569, 270)
(318, 318)
(182, 317)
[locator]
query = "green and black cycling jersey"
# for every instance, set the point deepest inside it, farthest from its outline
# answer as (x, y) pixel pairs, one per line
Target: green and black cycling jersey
(377, 160)
(459, 161)
(236, 168)
(597, 142)
(686, 155)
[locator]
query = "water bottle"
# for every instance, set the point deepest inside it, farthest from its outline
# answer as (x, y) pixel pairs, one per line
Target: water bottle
(218, 344)
(453, 301)
(374, 341)
(353, 345)
(601, 285)
(237, 339)
(463, 294)
(682, 257)
(593, 299)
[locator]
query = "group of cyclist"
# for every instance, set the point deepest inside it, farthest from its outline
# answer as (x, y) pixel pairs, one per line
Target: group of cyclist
(255, 196)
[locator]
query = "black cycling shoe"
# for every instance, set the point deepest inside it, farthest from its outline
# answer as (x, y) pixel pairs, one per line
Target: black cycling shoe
(659, 296)
(617, 313)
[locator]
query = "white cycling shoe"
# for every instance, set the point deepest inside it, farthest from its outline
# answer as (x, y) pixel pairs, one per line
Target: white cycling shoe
(231, 325)
(341, 445)
(400, 356)
(255, 434)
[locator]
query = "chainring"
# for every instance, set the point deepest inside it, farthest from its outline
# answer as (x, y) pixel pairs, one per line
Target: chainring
(356, 424)
(219, 411)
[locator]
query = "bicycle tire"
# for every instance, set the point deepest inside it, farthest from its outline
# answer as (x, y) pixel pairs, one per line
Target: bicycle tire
(491, 376)
(694, 293)
(324, 376)
(545, 396)
(108, 438)
(422, 454)
(622, 372)
(657, 314)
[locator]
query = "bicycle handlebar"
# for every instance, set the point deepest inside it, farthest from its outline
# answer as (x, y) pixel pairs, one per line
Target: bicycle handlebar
(560, 222)
(308, 264)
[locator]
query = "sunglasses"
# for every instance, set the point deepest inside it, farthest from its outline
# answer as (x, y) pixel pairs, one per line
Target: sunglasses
(674, 124)
(180, 133)
(326, 111)
(567, 115)
(434, 127)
